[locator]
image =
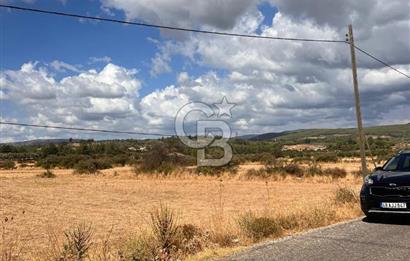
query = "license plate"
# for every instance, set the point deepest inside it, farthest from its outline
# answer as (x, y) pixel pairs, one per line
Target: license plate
(396, 205)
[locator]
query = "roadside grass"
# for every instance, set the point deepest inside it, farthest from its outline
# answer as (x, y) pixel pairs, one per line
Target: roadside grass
(168, 239)
(346, 195)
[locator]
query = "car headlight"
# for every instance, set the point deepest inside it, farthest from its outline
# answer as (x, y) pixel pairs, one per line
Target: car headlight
(368, 180)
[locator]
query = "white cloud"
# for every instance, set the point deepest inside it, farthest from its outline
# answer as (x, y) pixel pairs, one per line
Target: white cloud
(63, 67)
(89, 98)
(277, 85)
(111, 82)
(104, 59)
(28, 84)
(189, 13)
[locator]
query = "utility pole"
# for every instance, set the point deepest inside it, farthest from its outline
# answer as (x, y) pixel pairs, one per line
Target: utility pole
(357, 101)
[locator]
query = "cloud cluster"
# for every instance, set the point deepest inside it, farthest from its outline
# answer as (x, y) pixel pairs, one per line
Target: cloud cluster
(277, 85)
(87, 98)
(187, 13)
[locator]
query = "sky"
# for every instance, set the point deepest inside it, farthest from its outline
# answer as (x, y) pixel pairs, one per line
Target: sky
(79, 73)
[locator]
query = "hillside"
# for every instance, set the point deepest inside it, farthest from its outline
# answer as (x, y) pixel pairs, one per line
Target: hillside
(401, 131)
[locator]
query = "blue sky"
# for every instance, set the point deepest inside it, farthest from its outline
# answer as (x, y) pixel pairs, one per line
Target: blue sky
(112, 76)
(45, 38)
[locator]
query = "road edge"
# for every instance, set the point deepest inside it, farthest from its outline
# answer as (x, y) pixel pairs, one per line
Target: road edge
(285, 238)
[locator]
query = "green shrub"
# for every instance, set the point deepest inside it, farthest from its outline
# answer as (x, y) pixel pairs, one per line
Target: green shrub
(49, 162)
(160, 160)
(231, 168)
(91, 166)
(85, 167)
(258, 228)
(7, 164)
(103, 163)
(69, 161)
(120, 159)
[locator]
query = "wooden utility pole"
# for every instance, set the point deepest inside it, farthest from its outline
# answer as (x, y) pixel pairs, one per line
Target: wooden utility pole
(357, 100)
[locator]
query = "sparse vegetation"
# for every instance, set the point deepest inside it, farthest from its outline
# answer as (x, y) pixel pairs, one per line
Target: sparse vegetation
(259, 227)
(47, 174)
(78, 243)
(346, 195)
(335, 172)
(166, 233)
(7, 164)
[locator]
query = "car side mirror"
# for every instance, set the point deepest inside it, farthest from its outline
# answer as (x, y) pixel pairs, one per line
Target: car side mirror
(378, 168)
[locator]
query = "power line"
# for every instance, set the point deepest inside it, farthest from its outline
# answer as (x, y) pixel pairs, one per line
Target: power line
(380, 61)
(84, 129)
(43, 11)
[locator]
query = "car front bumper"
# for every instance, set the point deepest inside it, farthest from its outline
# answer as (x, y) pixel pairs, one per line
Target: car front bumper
(372, 204)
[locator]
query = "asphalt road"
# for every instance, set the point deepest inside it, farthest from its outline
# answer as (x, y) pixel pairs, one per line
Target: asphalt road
(385, 239)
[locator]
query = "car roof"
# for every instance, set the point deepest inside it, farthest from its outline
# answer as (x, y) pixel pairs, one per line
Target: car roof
(404, 152)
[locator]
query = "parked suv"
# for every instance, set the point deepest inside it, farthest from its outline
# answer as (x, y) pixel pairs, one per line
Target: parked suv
(387, 189)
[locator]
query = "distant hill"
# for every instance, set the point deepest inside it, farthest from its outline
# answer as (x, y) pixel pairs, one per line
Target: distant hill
(43, 142)
(401, 131)
(394, 131)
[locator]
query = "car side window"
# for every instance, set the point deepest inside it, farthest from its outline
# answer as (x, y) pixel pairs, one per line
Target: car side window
(406, 163)
(392, 164)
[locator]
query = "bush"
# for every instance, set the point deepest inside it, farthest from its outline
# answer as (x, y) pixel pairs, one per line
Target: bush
(231, 168)
(223, 238)
(103, 163)
(91, 166)
(121, 159)
(346, 195)
(7, 164)
(314, 170)
(140, 248)
(327, 157)
(155, 158)
(253, 173)
(293, 169)
(258, 228)
(78, 243)
(47, 174)
(85, 167)
(192, 239)
(160, 160)
(166, 233)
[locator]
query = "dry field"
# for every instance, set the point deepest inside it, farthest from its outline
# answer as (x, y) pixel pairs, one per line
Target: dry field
(118, 200)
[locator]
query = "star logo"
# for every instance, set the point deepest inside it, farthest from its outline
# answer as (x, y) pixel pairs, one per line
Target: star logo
(224, 108)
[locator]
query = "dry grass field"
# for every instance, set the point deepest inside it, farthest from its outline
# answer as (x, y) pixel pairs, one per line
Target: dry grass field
(117, 203)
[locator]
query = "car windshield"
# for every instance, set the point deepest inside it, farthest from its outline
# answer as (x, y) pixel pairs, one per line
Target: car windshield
(398, 163)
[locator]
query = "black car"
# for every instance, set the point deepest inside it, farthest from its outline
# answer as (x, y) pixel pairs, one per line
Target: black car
(387, 189)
